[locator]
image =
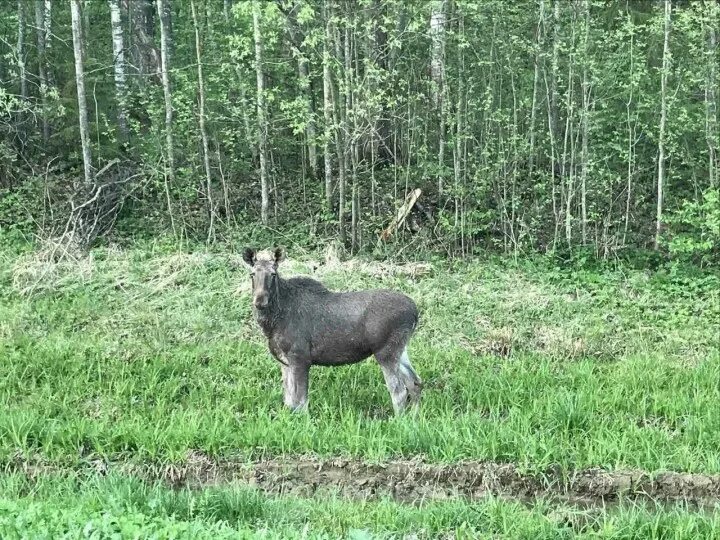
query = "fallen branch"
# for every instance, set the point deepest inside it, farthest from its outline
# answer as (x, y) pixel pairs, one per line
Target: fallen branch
(402, 214)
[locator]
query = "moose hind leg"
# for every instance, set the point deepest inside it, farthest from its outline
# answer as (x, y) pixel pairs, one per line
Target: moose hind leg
(410, 378)
(295, 387)
(395, 373)
(395, 385)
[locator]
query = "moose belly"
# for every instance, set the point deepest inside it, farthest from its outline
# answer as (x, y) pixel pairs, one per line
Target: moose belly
(337, 335)
(339, 352)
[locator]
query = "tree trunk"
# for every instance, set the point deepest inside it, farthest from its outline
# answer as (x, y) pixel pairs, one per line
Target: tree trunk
(378, 50)
(80, 84)
(663, 121)
(631, 133)
(391, 123)
(711, 120)
(42, 65)
(47, 30)
(565, 170)
(119, 71)
(327, 107)
(585, 113)
(351, 137)
(310, 136)
(21, 50)
(145, 55)
(437, 72)
(85, 10)
(555, 65)
(459, 121)
(262, 122)
(165, 72)
(201, 121)
(437, 37)
(168, 27)
(536, 82)
(552, 115)
(340, 141)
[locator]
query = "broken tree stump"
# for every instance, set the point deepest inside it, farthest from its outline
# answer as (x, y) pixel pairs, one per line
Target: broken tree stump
(402, 214)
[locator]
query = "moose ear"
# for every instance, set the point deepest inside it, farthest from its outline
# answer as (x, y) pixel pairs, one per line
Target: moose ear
(279, 255)
(249, 256)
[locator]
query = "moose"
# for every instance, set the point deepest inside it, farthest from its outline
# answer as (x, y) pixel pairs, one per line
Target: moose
(307, 325)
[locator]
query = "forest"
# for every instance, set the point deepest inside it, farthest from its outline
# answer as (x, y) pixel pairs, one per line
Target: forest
(540, 179)
(530, 126)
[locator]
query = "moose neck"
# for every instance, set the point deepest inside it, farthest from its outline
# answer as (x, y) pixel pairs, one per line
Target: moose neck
(269, 317)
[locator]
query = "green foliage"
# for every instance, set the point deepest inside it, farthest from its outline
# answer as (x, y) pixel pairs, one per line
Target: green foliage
(17, 205)
(696, 229)
(513, 172)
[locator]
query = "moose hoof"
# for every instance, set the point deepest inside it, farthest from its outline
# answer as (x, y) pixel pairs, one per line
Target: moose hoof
(302, 408)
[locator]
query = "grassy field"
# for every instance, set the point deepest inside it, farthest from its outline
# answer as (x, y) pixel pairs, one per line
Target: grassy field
(144, 356)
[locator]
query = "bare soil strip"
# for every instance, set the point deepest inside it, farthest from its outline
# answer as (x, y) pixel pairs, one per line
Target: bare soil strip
(412, 481)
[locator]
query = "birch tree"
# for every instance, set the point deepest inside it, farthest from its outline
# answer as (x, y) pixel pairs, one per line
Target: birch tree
(47, 22)
(585, 158)
(145, 56)
(663, 122)
(552, 97)
(631, 121)
(340, 110)
(437, 73)
(80, 85)
(42, 66)
(21, 51)
(711, 85)
(119, 71)
(327, 107)
(201, 122)
(536, 83)
(261, 119)
(165, 72)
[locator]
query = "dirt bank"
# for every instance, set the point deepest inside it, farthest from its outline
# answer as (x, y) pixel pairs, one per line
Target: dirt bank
(413, 481)
(407, 481)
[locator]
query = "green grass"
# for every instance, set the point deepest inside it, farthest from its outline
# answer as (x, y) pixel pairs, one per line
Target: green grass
(146, 356)
(100, 507)
(143, 355)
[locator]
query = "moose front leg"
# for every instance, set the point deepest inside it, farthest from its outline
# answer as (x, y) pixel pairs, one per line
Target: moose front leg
(295, 386)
